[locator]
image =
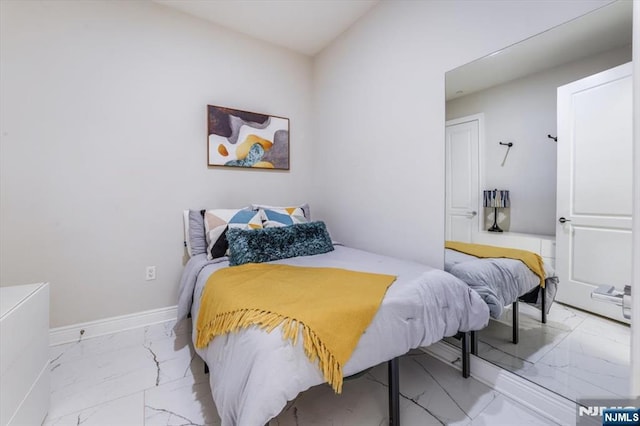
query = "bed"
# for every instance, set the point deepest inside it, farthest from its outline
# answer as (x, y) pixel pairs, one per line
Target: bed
(503, 281)
(253, 373)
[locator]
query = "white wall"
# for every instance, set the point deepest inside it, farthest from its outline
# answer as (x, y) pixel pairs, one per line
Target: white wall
(523, 111)
(103, 144)
(379, 113)
(103, 134)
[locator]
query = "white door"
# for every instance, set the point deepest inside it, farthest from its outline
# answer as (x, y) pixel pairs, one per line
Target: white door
(594, 193)
(462, 170)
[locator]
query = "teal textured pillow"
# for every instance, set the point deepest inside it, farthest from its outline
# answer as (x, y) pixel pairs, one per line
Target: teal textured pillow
(265, 245)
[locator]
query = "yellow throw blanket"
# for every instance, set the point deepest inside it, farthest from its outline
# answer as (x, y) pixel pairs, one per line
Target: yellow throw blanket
(532, 260)
(332, 307)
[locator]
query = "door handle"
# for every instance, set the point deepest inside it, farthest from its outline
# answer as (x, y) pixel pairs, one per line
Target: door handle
(609, 294)
(563, 220)
(471, 214)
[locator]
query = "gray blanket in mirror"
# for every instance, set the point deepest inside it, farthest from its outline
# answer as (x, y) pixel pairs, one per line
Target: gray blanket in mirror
(500, 281)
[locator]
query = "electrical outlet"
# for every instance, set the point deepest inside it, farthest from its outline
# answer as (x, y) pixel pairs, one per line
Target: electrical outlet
(150, 273)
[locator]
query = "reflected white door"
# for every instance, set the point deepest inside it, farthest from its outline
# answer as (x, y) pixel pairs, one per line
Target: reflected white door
(594, 194)
(462, 166)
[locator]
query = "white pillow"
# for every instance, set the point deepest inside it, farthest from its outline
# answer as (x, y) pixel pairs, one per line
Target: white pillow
(194, 232)
(187, 243)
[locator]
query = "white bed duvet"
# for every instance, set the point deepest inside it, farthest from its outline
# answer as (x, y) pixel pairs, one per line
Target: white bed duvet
(253, 373)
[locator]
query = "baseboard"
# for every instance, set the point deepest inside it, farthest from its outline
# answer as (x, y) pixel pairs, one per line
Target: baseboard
(544, 402)
(73, 333)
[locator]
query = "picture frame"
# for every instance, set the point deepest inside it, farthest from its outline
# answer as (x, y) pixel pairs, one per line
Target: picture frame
(245, 139)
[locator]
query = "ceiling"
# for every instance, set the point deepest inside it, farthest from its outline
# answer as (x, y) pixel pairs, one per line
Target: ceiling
(604, 29)
(305, 26)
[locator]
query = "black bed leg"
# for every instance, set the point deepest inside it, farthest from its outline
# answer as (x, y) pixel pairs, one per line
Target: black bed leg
(394, 392)
(514, 326)
(474, 343)
(543, 292)
(466, 359)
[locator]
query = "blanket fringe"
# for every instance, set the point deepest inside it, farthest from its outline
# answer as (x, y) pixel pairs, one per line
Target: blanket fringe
(268, 321)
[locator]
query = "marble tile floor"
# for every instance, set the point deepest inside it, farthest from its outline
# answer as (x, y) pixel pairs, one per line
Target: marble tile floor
(575, 354)
(151, 376)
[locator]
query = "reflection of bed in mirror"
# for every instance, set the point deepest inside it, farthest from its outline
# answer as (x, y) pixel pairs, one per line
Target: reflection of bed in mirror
(502, 276)
(576, 354)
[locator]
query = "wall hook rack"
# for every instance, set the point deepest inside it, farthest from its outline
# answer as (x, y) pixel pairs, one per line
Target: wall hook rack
(555, 138)
(508, 145)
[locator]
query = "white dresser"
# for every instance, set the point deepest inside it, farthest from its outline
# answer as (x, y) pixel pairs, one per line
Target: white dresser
(544, 245)
(24, 354)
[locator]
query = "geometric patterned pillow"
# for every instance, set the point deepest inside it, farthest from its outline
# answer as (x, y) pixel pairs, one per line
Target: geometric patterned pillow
(305, 208)
(273, 218)
(216, 223)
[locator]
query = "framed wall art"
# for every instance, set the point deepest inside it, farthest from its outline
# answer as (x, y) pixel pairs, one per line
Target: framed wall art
(246, 139)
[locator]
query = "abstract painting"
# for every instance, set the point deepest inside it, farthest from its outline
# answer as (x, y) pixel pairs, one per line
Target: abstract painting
(247, 139)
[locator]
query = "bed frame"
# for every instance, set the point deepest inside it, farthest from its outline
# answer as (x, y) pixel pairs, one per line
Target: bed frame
(469, 342)
(515, 332)
(469, 346)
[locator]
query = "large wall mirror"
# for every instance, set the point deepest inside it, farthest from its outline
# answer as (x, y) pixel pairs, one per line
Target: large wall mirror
(538, 149)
